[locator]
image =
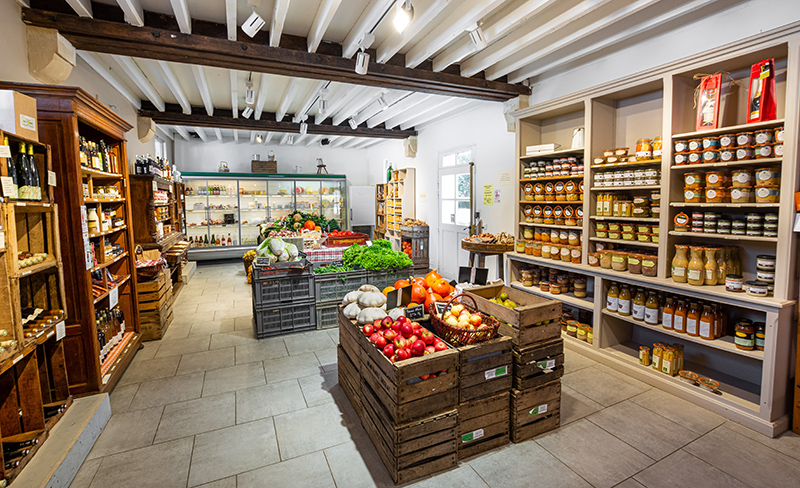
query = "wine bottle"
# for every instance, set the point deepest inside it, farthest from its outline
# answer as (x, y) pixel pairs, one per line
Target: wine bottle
(83, 152)
(36, 184)
(230, 243)
(22, 172)
(12, 172)
(52, 411)
(14, 446)
(20, 453)
(11, 464)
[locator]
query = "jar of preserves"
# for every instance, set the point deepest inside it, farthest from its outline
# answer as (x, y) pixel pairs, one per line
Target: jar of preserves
(682, 222)
(649, 265)
(681, 146)
(757, 288)
(546, 251)
(537, 249)
(765, 136)
(711, 156)
(561, 195)
(547, 214)
(657, 147)
(579, 216)
(575, 254)
(619, 261)
(767, 176)
(573, 238)
(745, 335)
(764, 151)
(778, 134)
(745, 153)
(695, 144)
(695, 157)
(745, 139)
(693, 180)
(727, 141)
(760, 335)
(538, 215)
(680, 159)
(715, 195)
(605, 259)
(727, 155)
(644, 149)
(555, 288)
(528, 189)
(558, 215)
(741, 194)
(741, 177)
(696, 266)
(711, 142)
(644, 355)
(594, 259)
(634, 263)
(767, 194)
(528, 233)
(716, 179)
(566, 254)
(520, 247)
(680, 264)
(693, 195)
(656, 355)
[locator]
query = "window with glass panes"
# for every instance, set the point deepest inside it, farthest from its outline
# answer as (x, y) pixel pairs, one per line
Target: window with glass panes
(454, 187)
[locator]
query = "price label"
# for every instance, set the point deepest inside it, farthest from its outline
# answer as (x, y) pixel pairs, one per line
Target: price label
(471, 436)
(17, 359)
(8, 186)
(51, 178)
(106, 378)
(440, 307)
(2, 240)
(415, 313)
(496, 372)
(538, 410)
(113, 297)
(61, 330)
(5, 152)
(155, 186)
(550, 364)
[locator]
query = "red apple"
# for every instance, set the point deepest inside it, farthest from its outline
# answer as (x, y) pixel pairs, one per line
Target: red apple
(377, 324)
(413, 338)
(427, 337)
(401, 343)
(390, 335)
(396, 326)
(416, 327)
(417, 324)
(368, 330)
(393, 358)
(386, 322)
(403, 354)
(440, 346)
(388, 351)
(418, 348)
(483, 327)
(402, 319)
(374, 337)
(424, 377)
(475, 319)
(380, 341)
(407, 330)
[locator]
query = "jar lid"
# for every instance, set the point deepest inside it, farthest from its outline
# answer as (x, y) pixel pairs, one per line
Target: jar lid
(765, 256)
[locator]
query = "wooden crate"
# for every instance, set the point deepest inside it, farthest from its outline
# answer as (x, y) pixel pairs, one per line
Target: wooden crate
(535, 411)
(154, 324)
(537, 365)
(410, 450)
(155, 307)
(483, 425)
(349, 378)
(484, 369)
(268, 167)
(534, 320)
(348, 340)
(398, 385)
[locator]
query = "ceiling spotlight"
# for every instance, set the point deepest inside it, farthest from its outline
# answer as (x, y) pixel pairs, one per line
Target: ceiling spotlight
(259, 138)
(253, 24)
(247, 112)
(382, 103)
(404, 12)
(249, 94)
(362, 61)
(291, 140)
(477, 37)
(303, 128)
(323, 106)
(352, 122)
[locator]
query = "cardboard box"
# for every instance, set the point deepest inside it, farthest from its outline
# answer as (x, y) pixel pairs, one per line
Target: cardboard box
(268, 167)
(18, 115)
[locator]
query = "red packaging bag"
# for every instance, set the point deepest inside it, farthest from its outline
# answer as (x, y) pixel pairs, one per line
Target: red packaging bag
(708, 102)
(762, 103)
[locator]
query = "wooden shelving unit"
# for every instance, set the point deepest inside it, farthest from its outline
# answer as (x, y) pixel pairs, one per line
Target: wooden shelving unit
(66, 114)
(400, 201)
(754, 385)
(380, 210)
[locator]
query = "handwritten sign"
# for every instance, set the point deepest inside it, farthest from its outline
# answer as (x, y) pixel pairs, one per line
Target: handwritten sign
(113, 297)
(415, 313)
(440, 307)
(488, 194)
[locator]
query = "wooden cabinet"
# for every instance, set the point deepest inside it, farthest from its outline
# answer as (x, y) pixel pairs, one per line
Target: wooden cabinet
(157, 220)
(380, 211)
(98, 265)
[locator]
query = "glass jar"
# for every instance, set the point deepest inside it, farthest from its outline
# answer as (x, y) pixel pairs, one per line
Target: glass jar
(634, 263)
(520, 246)
(744, 335)
(605, 259)
(695, 269)
(760, 335)
(644, 355)
(680, 264)
(619, 261)
(710, 266)
(572, 328)
(649, 265)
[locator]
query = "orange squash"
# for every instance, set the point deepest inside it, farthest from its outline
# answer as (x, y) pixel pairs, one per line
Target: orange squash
(400, 284)
(432, 297)
(388, 289)
(431, 277)
(441, 287)
(418, 294)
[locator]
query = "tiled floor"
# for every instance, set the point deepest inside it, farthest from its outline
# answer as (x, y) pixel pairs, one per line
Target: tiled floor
(209, 405)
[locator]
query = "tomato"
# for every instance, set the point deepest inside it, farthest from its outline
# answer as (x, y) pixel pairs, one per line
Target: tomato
(309, 225)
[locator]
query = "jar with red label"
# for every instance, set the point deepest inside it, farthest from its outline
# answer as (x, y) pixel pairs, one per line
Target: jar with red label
(695, 144)
(745, 153)
(727, 141)
(765, 136)
(764, 151)
(745, 139)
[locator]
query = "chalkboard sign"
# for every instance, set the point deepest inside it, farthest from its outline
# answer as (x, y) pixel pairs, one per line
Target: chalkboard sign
(266, 262)
(475, 276)
(415, 313)
(398, 298)
(440, 307)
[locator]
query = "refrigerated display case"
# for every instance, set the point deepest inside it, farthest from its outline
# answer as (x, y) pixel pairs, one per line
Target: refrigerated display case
(224, 210)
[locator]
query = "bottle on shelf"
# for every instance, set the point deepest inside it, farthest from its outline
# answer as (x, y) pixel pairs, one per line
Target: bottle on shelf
(710, 266)
(84, 152)
(612, 298)
(707, 320)
(668, 315)
(680, 264)
(35, 181)
(624, 301)
(24, 188)
(12, 172)
(230, 242)
(651, 309)
(16, 446)
(639, 303)
(695, 271)
(693, 319)
(679, 318)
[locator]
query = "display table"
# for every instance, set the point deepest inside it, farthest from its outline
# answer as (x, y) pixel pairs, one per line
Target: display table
(480, 251)
(324, 254)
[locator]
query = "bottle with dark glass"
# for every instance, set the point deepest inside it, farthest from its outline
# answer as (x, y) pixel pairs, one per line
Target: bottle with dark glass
(22, 173)
(12, 172)
(15, 446)
(35, 180)
(84, 152)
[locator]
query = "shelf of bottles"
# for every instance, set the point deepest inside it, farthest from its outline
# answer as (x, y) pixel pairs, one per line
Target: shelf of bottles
(228, 212)
(23, 171)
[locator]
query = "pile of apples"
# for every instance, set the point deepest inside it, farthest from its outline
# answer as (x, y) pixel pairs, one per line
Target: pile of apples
(459, 316)
(402, 339)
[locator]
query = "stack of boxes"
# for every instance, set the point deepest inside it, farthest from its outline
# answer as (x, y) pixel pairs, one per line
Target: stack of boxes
(155, 306)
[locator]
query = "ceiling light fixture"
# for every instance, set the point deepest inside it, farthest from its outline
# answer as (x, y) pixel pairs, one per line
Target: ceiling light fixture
(291, 140)
(249, 94)
(404, 12)
(362, 58)
(477, 37)
(303, 128)
(352, 122)
(247, 112)
(259, 138)
(253, 24)
(382, 103)
(323, 107)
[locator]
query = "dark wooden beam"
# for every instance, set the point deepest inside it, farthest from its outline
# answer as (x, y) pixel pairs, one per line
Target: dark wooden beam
(223, 119)
(114, 37)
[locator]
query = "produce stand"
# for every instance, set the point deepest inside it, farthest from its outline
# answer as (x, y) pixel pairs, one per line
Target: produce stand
(283, 297)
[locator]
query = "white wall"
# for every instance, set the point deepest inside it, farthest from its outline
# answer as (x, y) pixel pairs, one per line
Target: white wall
(485, 129)
(14, 67)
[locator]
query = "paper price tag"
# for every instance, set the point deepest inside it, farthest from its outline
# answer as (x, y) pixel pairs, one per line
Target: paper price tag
(2, 240)
(496, 372)
(369, 243)
(549, 364)
(17, 359)
(51, 178)
(538, 410)
(113, 297)
(106, 378)
(61, 330)
(155, 186)
(5, 152)
(8, 186)
(471, 436)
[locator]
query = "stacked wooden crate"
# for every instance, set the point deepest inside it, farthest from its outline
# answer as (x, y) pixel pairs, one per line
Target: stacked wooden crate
(412, 422)
(538, 360)
(155, 306)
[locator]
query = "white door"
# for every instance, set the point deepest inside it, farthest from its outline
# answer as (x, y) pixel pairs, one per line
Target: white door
(454, 210)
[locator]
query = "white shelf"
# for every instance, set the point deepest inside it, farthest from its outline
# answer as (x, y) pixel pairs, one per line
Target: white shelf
(620, 188)
(551, 202)
(727, 237)
(553, 154)
(731, 128)
(624, 219)
(615, 166)
(723, 343)
(622, 241)
(749, 162)
(552, 226)
(568, 298)
(725, 205)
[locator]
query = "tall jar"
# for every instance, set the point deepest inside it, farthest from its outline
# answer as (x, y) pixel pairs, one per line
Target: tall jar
(735, 265)
(722, 265)
(695, 271)
(710, 266)
(679, 264)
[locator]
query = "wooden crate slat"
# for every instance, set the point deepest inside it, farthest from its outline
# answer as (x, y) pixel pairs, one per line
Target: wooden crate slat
(530, 405)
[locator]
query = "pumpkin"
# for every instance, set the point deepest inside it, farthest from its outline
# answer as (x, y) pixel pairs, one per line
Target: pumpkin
(418, 294)
(441, 287)
(368, 288)
(400, 284)
(371, 299)
(431, 277)
(370, 315)
(433, 297)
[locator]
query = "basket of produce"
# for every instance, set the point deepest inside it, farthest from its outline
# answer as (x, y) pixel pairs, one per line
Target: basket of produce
(489, 243)
(462, 325)
(148, 264)
(248, 258)
(345, 238)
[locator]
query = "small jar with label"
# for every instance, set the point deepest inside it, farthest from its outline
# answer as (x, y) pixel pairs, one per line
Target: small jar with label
(764, 151)
(644, 149)
(695, 145)
(619, 261)
(727, 141)
(644, 355)
(757, 288)
(745, 139)
(711, 142)
(634, 263)
(681, 146)
(727, 155)
(711, 156)
(767, 194)
(716, 179)
(715, 195)
(693, 195)
(693, 180)
(649, 264)
(680, 159)
(695, 157)
(764, 136)
(745, 153)
(742, 194)
(734, 283)
(741, 177)
(767, 176)
(760, 335)
(744, 335)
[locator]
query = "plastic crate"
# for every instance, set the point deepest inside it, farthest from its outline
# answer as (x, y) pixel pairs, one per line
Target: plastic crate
(328, 315)
(387, 277)
(284, 288)
(275, 320)
(334, 286)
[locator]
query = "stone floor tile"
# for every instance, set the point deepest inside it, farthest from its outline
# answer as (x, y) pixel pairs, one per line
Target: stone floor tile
(182, 346)
(460, 477)
(177, 331)
(232, 313)
(310, 430)
(574, 361)
(83, 478)
(243, 323)
(206, 360)
(196, 416)
(292, 367)
(225, 452)
(594, 454)
(148, 370)
(215, 306)
(127, 431)
(727, 450)
(147, 350)
(302, 472)
(163, 465)
(195, 299)
(629, 421)
(230, 339)
(518, 464)
(327, 358)
(121, 398)
(787, 443)
(268, 400)
(630, 483)
(261, 350)
(233, 378)
(334, 334)
(600, 386)
(184, 308)
(318, 389)
(224, 483)
(575, 406)
(689, 415)
(356, 464)
(208, 328)
(167, 390)
(317, 340)
(683, 469)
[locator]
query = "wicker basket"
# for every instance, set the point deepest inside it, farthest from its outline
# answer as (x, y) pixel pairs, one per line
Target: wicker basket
(147, 270)
(457, 336)
(248, 262)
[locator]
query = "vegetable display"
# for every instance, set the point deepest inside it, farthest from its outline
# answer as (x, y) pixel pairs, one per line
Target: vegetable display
(297, 221)
(332, 269)
(378, 256)
(277, 251)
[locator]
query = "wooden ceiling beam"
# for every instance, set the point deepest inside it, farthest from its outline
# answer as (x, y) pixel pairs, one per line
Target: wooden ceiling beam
(209, 46)
(223, 119)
